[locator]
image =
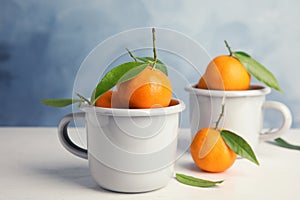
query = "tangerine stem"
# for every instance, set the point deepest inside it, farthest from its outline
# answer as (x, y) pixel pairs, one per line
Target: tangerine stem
(82, 98)
(154, 47)
(221, 114)
(228, 47)
(131, 55)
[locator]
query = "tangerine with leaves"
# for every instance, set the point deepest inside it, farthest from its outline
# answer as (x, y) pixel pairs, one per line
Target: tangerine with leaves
(210, 152)
(215, 150)
(151, 88)
(143, 83)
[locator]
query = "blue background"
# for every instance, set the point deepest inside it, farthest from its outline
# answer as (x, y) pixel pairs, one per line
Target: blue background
(43, 43)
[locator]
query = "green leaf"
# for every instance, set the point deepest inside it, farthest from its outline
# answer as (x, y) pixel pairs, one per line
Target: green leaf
(282, 143)
(119, 74)
(159, 64)
(132, 73)
(237, 144)
(192, 181)
(257, 70)
(162, 67)
(59, 103)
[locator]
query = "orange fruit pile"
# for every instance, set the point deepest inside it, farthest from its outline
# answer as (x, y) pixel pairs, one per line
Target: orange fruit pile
(209, 151)
(151, 88)
(225, 73)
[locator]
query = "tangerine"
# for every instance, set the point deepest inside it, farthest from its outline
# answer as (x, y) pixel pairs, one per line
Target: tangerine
(173, 102)
(104, 100)
(225, 73)
(210, 152)
(107, 100)
(202, 83)
(151, 88)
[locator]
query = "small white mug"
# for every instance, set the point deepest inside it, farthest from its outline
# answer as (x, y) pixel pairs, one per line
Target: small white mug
(243, 112)
(129, 150)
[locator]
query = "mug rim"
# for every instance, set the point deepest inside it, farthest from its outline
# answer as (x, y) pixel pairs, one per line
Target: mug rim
(135, 112)
(254, 90)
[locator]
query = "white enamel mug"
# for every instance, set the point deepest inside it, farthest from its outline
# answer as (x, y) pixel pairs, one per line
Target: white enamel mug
(129, 150)
(243, 112)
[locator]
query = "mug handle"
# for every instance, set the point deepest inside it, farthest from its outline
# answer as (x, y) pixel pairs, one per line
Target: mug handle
(286, 124)
(64, 135)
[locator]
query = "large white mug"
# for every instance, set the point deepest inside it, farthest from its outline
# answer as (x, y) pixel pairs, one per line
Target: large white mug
(129, 150)
(243, 112)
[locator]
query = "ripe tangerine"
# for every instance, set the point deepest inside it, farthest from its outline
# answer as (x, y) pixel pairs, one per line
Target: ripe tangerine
(225, 73)
(209, 151)
(151, 88)
(105, 100)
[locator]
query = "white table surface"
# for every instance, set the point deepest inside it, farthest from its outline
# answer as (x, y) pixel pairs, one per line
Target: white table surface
(34, 165)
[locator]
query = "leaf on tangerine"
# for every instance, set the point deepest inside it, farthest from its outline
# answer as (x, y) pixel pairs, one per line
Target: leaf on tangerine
(211, 139)
(131, 73)
(256, 69)
(121, 73)
(240, 146)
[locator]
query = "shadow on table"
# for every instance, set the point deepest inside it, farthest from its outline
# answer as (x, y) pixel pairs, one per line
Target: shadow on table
(190, 166)
(70, 174)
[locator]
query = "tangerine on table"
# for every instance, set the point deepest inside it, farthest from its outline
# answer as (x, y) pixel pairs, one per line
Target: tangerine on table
(225, 73)
(209, 151)
(151, 88)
